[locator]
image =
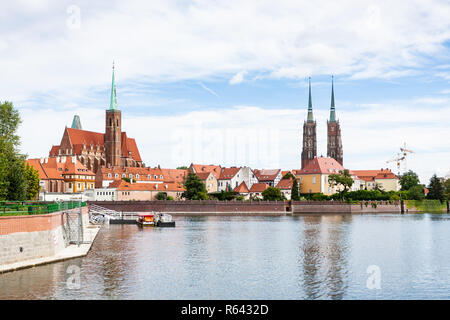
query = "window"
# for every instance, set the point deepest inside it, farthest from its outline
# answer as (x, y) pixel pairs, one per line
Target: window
(109, 175)
(137, 176)
(131, 176)
(116, 175)
(314, 179)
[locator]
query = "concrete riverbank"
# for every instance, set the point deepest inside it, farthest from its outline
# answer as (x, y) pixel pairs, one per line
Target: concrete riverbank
(28, 241)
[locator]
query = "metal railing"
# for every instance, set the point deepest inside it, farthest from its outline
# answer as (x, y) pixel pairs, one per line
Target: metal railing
(20, 208)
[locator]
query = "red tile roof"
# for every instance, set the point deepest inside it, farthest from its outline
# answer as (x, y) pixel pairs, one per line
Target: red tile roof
(197, 168)
(174, 175)
(79, 138)
(129, 148)
(266, 174)
(285, 184)
(321, 165)
(55, 168)
(144, 174)
(204, 175)
(242, 188)
(259, 187)
(228, 173)
(369, 175)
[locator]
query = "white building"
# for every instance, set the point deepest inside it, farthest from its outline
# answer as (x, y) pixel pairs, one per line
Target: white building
(232, 177)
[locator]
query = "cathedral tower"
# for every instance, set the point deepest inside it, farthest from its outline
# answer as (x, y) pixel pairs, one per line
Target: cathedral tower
(334, 145)
(113, 132)
(309, 134)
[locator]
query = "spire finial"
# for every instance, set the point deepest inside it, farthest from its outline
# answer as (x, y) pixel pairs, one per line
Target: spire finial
(310, 111)
(332, 108)
(113, 102)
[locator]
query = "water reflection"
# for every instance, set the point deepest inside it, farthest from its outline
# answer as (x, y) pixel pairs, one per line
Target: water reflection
(305, 257)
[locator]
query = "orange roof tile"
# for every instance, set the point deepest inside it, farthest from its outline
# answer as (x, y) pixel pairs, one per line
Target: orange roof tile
(321, 165)
(369, 175)
(266, 174)
(242, 188)
(174, 175)
(285, 184)
(259, 187)
(203, 175)
(197, 168)
(228, 173)
(138, 174)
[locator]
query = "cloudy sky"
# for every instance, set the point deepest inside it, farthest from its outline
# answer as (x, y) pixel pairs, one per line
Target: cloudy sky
(225, 82)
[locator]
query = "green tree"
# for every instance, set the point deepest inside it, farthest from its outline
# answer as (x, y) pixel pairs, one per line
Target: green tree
(195, 188)
(446, 186)
(32, 182)
(272, 194)
(416, 193)
(295, 194)
(182, 168)
(14, 176)
(408, 180)
(288, 175)
(161, 196)
(436, 189)
(343, 178)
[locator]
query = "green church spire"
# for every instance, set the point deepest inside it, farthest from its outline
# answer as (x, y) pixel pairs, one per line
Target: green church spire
(332, 109)
(113, 102)
(310, 112)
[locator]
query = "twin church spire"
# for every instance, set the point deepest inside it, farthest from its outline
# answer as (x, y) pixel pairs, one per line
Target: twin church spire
(334, 141)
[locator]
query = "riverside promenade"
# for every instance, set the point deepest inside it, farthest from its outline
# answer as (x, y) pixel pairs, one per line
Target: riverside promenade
(31, 240)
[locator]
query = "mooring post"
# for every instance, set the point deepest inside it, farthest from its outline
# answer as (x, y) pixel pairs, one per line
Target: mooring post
(448, 206)
(402, 207)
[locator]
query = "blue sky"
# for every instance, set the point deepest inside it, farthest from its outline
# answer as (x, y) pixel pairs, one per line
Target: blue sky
(226, 82)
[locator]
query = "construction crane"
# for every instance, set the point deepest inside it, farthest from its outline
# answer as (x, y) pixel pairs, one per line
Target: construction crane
(405, 152)
(398, 159)
(401, 158)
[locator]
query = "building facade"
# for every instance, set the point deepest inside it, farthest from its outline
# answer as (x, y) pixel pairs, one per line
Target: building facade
(94, 149)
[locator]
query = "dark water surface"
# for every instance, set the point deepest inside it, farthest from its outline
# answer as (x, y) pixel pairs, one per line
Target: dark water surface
(306, 257)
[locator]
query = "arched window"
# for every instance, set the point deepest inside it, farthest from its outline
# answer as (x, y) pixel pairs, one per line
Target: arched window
(110, 122)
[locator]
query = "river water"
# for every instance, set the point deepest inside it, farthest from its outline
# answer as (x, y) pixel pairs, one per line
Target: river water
(382, 256)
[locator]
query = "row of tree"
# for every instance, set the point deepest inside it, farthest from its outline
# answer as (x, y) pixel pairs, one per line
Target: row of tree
(18, 180)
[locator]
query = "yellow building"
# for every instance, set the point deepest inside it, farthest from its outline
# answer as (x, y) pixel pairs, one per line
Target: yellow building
(314, 177)
(384, 179)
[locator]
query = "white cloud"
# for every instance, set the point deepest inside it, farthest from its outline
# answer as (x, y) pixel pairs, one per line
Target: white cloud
(238, 77)
(266, 138)
(173, 40)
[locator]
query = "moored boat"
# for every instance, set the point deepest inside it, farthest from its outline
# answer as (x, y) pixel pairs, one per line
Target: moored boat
(164, 220)
(146, 219)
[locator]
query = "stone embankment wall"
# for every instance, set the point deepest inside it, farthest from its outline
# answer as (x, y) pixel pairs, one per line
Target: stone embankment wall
(34, 236)
(299, 207)
(207, 207)
(249, 208)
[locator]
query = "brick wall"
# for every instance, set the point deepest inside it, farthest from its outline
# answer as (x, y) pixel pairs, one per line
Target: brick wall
(208, 206)
(341, 207)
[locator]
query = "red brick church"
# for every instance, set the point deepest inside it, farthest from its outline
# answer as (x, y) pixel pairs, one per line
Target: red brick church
(94, 149)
